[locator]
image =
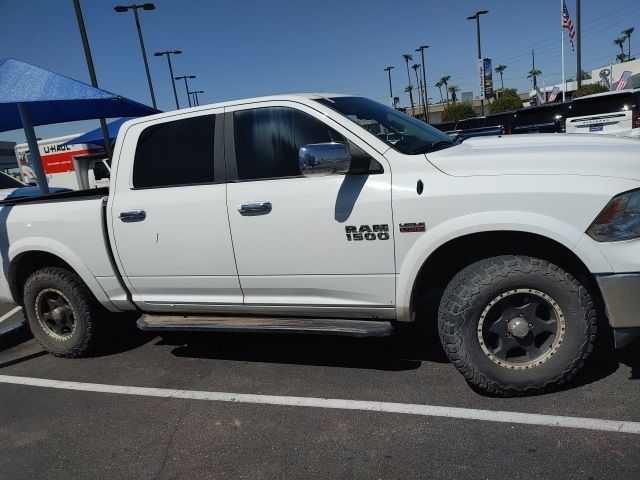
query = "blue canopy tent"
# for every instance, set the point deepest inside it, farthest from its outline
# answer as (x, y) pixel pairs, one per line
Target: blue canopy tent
(95, 137)
(31, 96)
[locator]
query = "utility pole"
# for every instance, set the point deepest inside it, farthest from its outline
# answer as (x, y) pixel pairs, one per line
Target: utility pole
(424, 81)
(388, 70)
(578, 44)
(533, 67)
(92, 71)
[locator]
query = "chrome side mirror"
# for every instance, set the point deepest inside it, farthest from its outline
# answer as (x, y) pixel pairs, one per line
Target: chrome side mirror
(318, 159)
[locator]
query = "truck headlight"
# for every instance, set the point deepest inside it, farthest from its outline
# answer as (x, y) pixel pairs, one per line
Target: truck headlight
(620, 220)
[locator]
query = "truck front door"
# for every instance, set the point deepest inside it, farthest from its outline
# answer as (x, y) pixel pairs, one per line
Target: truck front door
(317, 246)
(169, 216)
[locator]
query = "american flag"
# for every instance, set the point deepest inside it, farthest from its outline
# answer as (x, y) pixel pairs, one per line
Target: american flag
(554, 93)
(566, 23)
(623, 80)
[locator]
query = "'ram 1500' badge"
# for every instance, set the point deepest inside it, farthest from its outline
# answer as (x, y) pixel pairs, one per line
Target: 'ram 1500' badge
(366, 232)
(412, 227)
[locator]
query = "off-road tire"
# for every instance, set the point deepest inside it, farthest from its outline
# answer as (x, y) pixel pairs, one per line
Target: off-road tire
(473, 288)
(87, 312)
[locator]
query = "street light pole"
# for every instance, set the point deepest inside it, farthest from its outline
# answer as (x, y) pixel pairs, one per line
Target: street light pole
(168, 53)
(476, 17)
(186, 85)
(196, 98)
(421, 48)
(92, 71)
(388, 70)
(134, 7)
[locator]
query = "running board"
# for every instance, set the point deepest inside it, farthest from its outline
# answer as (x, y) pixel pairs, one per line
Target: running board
(321, 326)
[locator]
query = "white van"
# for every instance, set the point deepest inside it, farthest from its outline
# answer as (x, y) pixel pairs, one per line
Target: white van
(612, 113)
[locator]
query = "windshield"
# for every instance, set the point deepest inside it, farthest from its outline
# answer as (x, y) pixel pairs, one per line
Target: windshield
(398, 130)
(7, 181)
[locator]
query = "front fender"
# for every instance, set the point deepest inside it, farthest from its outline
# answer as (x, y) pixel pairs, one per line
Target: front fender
(47, 245)
(483, 222)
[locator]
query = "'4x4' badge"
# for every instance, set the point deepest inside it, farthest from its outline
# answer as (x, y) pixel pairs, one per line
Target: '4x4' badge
(366, 232)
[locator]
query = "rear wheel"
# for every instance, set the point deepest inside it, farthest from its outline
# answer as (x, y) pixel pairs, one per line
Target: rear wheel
(61, 311)
(514, 325)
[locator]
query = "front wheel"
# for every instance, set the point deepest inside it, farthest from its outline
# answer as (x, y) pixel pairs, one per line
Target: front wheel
(515, 325)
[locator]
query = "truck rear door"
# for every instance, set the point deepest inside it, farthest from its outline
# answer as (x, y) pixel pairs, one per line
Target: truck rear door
(169, 215)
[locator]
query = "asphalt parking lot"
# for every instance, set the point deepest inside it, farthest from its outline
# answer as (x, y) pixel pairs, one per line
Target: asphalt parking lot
(92, 427)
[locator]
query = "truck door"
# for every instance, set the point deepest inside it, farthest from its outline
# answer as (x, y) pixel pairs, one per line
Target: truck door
(321, 245)
(169, 215)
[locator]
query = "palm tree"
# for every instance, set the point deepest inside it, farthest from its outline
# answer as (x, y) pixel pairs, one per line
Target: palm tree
(415, 67)
(621, 57)
(407, 57)
(620, 42)
(533, 74)
(439, 84)
(453, 89)
(627, 33)
(445, 82)
(500, 69)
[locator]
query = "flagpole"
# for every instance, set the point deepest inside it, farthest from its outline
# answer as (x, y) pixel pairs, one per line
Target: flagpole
(564, 85)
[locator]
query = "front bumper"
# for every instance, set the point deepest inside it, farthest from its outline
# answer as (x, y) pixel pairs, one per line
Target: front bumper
(621, 295)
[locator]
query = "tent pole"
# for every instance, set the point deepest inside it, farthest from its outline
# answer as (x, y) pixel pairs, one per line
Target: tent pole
(92, 71)
(34, 151)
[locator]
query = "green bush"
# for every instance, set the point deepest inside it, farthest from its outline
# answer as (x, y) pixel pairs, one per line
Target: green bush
(458, 111)
(508, 100)
(590, 90)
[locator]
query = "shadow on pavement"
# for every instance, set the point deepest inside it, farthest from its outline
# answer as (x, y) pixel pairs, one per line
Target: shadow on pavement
(321, 350)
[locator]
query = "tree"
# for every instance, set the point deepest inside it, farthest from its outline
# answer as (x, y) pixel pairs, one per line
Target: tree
(500, 69)
(534, 74)
(439, 84)
(458, 111)
(453, 89)
(620, 42)
(445, 82)
(407, 57)
(627, 33)
(585, 75)
(509, 100)
(590, 90)
(621, 57)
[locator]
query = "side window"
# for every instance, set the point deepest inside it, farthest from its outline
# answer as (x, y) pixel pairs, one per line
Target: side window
(175, 153)
(267, 141)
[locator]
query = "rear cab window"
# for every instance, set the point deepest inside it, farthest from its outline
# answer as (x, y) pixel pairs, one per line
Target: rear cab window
(175, 153)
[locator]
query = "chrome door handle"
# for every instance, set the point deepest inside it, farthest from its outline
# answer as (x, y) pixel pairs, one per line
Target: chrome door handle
(133, 216)
(254, 208)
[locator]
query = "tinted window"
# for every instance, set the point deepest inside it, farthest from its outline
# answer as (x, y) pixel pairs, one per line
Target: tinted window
(7, 181)
(604, 104)
(475, 122)
(267, 140)
(175, 153)
(534, 115)
(499, 119)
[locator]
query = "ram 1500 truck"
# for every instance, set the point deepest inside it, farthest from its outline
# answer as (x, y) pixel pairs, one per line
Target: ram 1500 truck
(297, 213)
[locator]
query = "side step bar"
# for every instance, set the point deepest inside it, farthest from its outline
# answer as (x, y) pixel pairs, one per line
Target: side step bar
(322, 326)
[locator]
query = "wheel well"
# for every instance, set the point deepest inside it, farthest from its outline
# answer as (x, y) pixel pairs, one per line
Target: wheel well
(444, 263)
(26, 264)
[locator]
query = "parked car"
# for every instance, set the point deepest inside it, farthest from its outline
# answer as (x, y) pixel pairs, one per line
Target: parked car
(613, 113)
(12, 188)
(503, 120)
(547, 118)
(289, 214)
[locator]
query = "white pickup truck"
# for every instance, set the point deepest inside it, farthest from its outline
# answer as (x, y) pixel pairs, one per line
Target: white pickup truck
(334, 214)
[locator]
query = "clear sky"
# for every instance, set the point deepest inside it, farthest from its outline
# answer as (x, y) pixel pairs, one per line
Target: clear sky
(246, 48)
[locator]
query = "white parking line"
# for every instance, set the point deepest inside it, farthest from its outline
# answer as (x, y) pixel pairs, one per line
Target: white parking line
(9, 313)
(334, 403)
